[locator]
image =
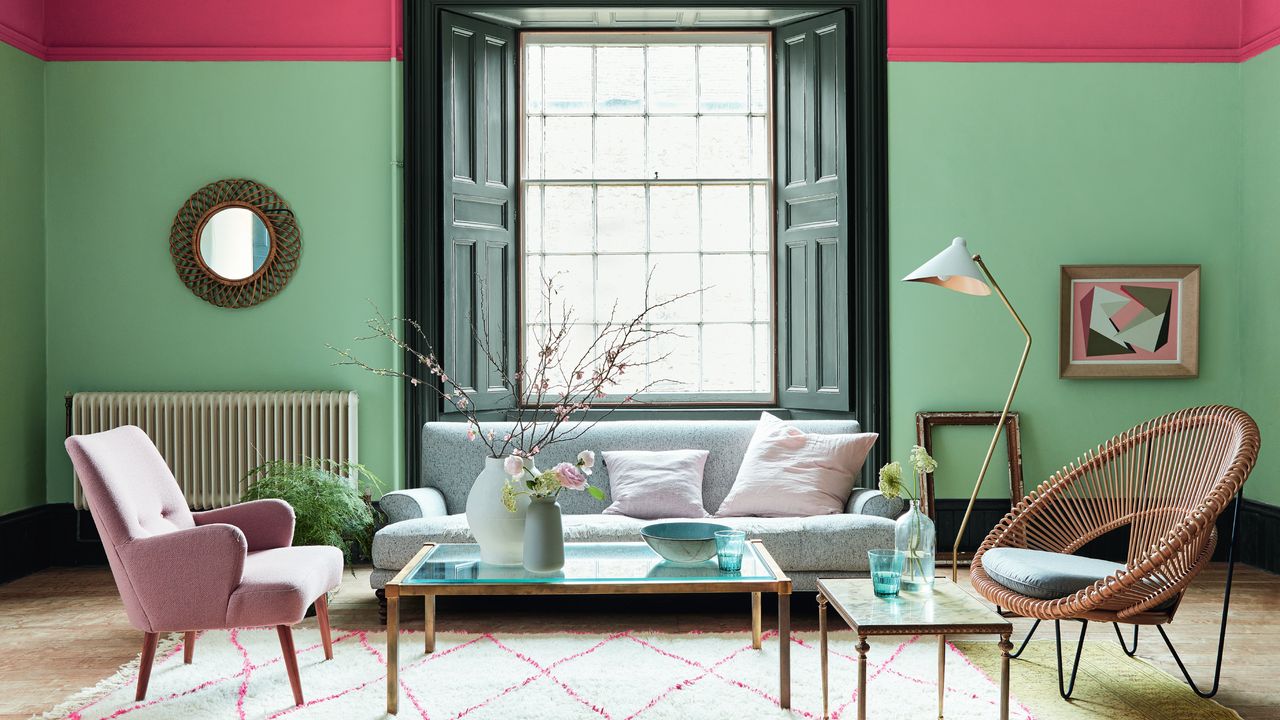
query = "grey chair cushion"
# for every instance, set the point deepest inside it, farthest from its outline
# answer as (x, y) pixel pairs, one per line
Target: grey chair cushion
(1045, 575)
(824, 542)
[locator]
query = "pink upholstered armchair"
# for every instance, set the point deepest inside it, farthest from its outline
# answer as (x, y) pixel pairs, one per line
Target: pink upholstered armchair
(179, 571)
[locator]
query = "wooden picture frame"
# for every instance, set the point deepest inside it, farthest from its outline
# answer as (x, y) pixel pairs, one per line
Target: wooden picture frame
(1129, 321)
(927, 421)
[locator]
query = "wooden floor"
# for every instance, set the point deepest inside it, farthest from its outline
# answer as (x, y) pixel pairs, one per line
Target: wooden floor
(64, 628)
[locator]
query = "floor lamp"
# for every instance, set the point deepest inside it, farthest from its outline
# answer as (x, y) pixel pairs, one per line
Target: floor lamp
(955, 269)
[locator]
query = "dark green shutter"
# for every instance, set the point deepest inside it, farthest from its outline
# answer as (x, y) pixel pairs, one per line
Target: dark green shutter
(813, 214)
(478, 64)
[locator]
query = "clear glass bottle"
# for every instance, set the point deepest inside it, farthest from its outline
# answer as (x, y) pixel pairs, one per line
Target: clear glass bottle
(916, 537)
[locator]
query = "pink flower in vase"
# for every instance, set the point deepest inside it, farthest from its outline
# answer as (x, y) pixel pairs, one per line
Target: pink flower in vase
(513, 466)
(570, 476)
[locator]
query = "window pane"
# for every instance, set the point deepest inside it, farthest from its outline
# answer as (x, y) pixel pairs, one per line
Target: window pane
(721, 145)
(672, 85)
(761, 218)
(573, 277)
(728, 353)
(764, 358)
(726, 217)
(620, 219)
(722, 78)
(620, 147)
(566, 148)
(673, 147)
(533, 220)
(672, 355)
(675, 276)
(759, 81)
(567, 87)
(567, 219)
(759, 148)
(673, 216)
(728, 279)
(533, 148)
(621, 279)
(620, 80)
(762, 287)
(533, 79)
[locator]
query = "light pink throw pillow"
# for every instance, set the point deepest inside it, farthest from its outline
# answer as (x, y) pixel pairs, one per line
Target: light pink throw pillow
(653, 485)
(787, 472)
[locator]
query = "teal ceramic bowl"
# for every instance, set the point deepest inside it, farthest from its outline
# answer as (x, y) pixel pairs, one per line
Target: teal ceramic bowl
(683, 542)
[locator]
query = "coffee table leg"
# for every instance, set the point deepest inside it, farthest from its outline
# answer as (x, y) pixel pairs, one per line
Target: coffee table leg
(755, 621)
(822, 649)
(784, 650)
(942, 671)
(1005, 647)
(429, 622)
(862, 649)
(393, 648)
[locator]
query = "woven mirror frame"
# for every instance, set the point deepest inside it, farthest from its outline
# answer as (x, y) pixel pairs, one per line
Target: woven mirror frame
(284, 243)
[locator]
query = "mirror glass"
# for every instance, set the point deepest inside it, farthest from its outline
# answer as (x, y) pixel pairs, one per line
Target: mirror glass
(234, 243)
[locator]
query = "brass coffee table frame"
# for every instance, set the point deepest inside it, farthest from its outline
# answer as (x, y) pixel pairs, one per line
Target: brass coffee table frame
(398, 588)
(965, 616)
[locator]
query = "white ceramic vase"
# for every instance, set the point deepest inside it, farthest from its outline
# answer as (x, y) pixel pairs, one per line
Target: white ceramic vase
(498, 532)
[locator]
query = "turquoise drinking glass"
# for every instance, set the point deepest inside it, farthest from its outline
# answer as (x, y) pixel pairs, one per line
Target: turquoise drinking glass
(886, 571)
(729, 547)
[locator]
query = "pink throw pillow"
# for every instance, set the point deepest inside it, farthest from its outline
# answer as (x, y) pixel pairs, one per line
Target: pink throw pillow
(653, 485)
(790, 473)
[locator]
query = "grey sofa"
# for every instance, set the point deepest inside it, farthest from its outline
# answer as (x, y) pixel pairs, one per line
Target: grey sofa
(806, 547)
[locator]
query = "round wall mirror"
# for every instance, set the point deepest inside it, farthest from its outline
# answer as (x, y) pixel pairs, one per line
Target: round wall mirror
(235, 243)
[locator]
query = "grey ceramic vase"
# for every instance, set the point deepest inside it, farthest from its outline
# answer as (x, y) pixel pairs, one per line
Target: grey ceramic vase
(543, 536)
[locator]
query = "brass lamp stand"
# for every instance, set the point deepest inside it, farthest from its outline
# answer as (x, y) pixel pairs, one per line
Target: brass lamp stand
(955, 269)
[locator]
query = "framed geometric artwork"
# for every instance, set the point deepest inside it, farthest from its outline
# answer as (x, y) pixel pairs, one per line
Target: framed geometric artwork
(1129, 321)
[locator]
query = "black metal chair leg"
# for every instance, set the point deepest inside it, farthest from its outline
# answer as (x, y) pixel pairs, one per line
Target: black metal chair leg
(1026, 641)
(1123, 646)
(1066, 691)
(1226, 605)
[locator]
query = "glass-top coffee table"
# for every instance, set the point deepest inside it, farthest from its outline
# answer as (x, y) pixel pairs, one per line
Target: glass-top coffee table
(947, 610)
(621, 568)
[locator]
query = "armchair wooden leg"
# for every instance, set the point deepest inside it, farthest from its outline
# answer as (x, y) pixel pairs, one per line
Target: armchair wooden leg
(290, 661)
(149, 641)
(188, 647)
(322, 617)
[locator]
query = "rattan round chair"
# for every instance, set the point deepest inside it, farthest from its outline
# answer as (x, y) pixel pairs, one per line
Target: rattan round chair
(1168, 480)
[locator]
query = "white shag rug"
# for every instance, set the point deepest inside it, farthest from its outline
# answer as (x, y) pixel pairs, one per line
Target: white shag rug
(560, 676)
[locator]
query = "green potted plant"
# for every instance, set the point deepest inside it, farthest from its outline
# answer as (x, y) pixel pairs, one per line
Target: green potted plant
(332, 501)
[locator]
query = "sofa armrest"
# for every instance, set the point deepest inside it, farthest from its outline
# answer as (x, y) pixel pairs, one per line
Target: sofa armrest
(413, 503)
(865, 501)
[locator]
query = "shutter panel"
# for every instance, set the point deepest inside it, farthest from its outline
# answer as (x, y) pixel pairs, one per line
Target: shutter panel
(478, 65)
(812, 214)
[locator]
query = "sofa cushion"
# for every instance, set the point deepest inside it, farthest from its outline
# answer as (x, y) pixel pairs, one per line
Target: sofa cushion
(663, 484)
(826, 542)
(787, 472)
(1045, 575)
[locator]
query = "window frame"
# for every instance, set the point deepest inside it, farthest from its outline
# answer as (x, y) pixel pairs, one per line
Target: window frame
(423, 262)
(660, 400)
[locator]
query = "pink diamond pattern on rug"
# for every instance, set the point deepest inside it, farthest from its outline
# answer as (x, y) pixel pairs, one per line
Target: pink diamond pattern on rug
(629, 675)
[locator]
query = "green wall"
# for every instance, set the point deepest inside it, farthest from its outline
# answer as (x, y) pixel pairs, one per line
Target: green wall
(1040, 165)
(127, 143)
(22, 276)
(1259, 291)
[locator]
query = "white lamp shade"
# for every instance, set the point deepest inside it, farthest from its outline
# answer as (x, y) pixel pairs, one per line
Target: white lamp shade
(953, 269)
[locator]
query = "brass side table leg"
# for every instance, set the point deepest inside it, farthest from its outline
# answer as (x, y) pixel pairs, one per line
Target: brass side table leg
(429, 622)
(1005, 647)
(942, 672)
(784, 650)
(393, 648)
(862, 649)
(822, 651)
(755, 621)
